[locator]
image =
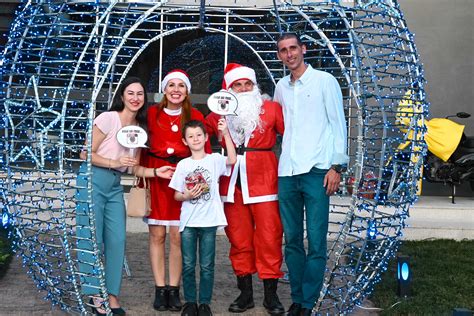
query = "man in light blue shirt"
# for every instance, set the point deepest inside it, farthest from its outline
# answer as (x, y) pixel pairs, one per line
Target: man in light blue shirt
(312, 159)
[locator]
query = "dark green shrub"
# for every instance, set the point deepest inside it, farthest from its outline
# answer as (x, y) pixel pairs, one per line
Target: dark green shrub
(5, 251)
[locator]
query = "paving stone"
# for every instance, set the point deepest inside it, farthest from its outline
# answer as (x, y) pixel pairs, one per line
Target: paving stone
(19, 295)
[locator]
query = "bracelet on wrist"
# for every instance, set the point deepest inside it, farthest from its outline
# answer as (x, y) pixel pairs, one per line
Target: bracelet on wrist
(154, 172)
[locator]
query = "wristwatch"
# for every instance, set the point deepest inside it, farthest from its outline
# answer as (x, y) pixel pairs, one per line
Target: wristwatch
(339, 168)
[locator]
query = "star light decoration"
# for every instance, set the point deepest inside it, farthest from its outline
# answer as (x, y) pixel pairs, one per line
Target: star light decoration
(37, 115)
(64, 61)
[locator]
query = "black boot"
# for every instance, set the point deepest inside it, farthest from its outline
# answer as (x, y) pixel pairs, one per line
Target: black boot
(270, 301)
(174, 303)
(161, 298)
(245, 299)
(190, 309)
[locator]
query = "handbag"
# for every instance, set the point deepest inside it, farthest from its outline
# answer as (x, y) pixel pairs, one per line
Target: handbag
(138, 204)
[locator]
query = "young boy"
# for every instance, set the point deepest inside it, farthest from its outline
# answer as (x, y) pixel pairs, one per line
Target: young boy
(196, 184)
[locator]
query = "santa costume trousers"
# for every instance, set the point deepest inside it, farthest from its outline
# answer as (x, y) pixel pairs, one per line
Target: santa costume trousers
(255, 234)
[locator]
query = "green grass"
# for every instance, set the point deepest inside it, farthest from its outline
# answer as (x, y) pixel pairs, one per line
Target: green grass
(442, 279)
(5, 252)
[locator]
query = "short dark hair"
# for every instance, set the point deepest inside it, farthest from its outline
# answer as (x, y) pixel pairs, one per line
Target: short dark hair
(287, 35)
(193, 124)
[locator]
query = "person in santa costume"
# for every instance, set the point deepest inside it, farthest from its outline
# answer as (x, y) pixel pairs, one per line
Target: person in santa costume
(167, 149)
(250, 193)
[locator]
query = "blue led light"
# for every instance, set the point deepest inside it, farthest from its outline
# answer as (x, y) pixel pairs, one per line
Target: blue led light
(371, 230)
(63, 62)
(404, 271)
(5, 219)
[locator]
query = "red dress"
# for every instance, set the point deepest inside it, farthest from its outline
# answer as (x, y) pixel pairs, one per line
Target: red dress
(164, 144)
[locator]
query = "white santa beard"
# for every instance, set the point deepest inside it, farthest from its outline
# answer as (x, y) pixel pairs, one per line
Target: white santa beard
(248, 115)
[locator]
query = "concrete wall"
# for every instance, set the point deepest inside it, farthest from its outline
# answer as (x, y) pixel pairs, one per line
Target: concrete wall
(444, 35)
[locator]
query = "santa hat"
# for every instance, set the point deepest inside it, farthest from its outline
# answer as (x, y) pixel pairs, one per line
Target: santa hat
(176, 74)
(234, 72)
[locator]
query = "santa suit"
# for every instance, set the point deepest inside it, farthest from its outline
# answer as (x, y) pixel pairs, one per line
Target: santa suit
(254, 227)
(165, 145)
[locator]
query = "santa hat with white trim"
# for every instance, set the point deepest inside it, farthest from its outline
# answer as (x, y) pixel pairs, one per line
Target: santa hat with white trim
(234, 72)
(176, 74)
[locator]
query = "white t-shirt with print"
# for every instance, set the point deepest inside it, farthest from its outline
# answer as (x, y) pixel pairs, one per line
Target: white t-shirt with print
(207, 210)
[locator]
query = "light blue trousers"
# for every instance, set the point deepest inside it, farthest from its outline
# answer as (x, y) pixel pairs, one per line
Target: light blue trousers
(297, 194)
(110, 219)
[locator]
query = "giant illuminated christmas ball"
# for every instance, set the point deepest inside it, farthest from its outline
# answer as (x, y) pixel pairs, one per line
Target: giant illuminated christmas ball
(64, 61)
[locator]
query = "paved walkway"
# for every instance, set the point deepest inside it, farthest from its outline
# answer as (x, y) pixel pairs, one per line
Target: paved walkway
(19, 296)
(430, 217)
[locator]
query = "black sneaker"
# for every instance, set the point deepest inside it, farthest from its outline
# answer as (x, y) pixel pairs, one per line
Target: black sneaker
(204, 310)
(190, 309)
(295, 309)
(118, 311)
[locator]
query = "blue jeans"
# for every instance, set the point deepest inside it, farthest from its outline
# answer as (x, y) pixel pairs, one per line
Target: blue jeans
(206, 237)
(297, 194)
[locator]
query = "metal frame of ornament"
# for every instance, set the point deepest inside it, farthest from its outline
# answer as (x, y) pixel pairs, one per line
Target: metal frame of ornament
(64, 61)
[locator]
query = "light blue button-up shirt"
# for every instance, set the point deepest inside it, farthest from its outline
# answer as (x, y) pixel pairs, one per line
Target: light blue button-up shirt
(315, 126)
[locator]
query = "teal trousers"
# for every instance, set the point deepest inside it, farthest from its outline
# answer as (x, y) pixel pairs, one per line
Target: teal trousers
(296, 195)
(110, 219)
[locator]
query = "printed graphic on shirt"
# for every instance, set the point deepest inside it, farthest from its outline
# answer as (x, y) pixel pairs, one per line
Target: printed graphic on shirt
(202, 176)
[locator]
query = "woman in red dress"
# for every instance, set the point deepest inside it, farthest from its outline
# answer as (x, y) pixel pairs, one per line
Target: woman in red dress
(166, 149)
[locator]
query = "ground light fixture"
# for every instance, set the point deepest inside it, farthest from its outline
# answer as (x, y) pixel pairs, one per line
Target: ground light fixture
(404, 276)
